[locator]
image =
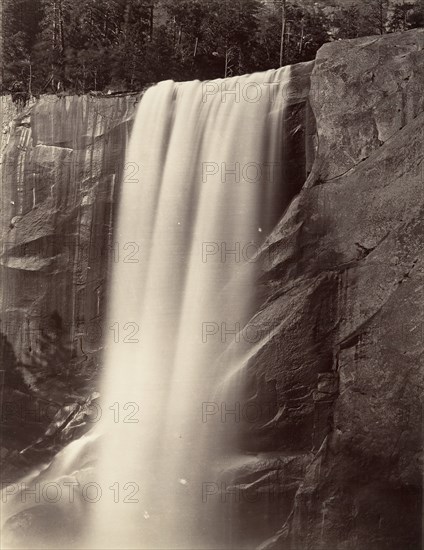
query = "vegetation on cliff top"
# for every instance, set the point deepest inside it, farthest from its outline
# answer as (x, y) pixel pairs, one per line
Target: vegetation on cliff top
(100, 45)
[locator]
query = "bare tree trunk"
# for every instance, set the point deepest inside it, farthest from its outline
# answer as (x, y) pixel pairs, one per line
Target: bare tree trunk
(381, 7)
(61, 32)
(126, 22)
(54, 24)
(151, 21)
(302, 35)
(30, 79)
(54, 42)
(283, 32)
(174, 32)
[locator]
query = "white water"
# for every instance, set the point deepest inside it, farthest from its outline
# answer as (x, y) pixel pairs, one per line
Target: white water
(174, 290)
(185, 143)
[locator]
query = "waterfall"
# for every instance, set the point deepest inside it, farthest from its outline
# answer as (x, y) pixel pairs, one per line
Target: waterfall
(204, 186)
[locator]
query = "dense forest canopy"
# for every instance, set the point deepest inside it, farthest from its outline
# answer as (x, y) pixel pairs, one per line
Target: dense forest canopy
(101, 45)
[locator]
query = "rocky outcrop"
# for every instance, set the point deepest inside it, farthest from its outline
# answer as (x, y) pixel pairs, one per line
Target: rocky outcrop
(61, 160)
(345, 276)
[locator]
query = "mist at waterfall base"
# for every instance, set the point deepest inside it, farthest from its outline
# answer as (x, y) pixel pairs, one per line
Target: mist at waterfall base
(203, 186)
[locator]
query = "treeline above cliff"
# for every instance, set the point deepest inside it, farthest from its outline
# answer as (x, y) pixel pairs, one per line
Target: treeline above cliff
(101, 45)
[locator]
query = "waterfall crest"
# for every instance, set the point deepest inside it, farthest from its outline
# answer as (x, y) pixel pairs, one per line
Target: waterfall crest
(207, 165)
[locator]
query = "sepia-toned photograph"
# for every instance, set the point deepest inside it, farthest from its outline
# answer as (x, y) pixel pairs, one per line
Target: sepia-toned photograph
(211, 274)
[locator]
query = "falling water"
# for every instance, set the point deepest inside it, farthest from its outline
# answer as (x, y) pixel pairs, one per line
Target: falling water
(203, 186)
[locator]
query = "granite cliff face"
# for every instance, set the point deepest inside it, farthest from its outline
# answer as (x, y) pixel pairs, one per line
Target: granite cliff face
(61, 159)
(341, 377)
(346, 283)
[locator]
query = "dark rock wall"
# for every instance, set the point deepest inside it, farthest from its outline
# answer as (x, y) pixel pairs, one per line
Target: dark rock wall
(345, 278)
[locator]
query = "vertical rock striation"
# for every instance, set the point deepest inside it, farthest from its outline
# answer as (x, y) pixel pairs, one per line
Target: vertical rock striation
(62, 158)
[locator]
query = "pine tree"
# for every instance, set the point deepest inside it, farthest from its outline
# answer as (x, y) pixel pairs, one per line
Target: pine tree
(406, 16)
(20, 26)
